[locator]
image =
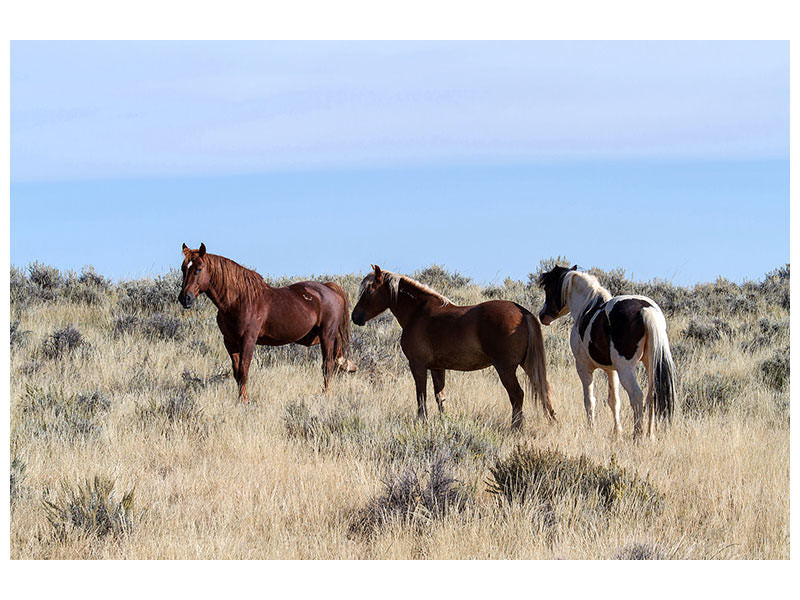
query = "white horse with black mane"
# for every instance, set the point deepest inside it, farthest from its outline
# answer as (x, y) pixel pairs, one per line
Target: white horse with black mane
(613, 334)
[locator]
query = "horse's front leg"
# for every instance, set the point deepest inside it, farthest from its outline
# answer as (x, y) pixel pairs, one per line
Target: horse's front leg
(586, 373)
(248, 346)
(437, 375)
(234, 352)
(420, 373)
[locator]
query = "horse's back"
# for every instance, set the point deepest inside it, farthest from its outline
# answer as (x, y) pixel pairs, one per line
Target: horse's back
(467, 338)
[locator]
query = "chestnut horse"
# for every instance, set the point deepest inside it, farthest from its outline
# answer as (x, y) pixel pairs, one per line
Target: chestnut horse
(439, 335)
(251, 312)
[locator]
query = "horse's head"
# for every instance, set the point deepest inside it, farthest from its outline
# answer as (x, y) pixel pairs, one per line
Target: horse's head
(195, 275)
(555, 301)
(373, 297)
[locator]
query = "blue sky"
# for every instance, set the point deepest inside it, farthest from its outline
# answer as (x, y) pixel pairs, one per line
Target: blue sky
(669, 159)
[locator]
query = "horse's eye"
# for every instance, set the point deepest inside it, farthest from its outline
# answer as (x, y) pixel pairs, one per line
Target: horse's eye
(198, 269)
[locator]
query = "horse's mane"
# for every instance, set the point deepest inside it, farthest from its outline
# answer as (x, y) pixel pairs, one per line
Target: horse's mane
(394, 279)
(568, 278)
(590, 283)
(231, 280)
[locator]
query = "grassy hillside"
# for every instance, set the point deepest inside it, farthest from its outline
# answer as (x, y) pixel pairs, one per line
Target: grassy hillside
(127, 440)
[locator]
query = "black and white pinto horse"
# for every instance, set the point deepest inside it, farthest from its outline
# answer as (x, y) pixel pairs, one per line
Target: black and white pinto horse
(613, 334)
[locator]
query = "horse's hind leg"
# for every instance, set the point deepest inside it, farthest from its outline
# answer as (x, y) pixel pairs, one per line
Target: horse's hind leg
(327, 344)
(508, 377)
(613, 400)
(437, 375)
(650, 399)
(627, 376)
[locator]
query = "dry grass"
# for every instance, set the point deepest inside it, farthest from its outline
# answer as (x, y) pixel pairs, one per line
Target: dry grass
(140, 404)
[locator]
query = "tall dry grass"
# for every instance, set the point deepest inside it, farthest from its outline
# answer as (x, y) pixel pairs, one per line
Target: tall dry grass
(127, 440)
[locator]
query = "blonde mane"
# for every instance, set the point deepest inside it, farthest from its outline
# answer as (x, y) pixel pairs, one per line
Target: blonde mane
(394, 279)
(584, 284)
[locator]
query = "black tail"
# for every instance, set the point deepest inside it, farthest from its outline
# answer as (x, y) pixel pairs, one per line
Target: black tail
(665, 385)
(663, 381)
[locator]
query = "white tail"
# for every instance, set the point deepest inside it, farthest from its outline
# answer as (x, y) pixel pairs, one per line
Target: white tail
(661, 375)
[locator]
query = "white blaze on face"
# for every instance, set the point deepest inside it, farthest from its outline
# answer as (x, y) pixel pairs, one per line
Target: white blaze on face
(189, 266)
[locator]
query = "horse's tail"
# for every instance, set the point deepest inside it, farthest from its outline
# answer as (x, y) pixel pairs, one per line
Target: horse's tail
(662, 368)
(535, 366)
(343, 334)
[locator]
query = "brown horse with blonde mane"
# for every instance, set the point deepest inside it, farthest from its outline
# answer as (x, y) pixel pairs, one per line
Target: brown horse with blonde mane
(251, 312)
(438, 335)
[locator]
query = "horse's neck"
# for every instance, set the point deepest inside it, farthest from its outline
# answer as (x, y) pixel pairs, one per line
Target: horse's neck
(408, 301)
(224, 297)
(583, 296)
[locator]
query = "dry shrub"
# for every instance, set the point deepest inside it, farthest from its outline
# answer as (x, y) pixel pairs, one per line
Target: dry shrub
(63, 342)
(68, 416)
(707, 331)
(159, 326)
(17, 477)
(90, 508)
(150, 295)
(775, 369)
(407, 440)
(547, 476)
(331, 428)
(192, 381)
(18, 336)
(412, 500)
(712, 394)
(640, 551)
(440, 279)
(176, 413)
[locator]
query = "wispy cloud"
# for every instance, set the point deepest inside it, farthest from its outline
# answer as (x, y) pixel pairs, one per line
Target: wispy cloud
(128, 109)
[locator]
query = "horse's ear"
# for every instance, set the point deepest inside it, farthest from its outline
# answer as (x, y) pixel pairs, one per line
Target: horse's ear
(378, 273)
(185, 249)
(202, 249)
(574, 268)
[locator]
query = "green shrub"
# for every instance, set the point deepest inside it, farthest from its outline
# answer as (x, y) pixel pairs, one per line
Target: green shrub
(549, 475)
(90, 508)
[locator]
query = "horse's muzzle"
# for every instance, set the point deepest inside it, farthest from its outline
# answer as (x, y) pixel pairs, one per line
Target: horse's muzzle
(545, 319)
(186, 300)
(358, 318)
